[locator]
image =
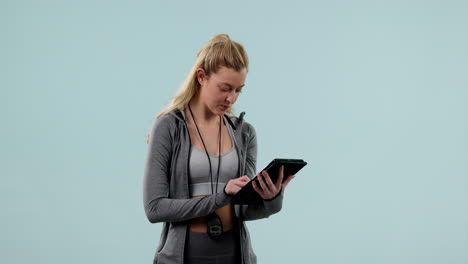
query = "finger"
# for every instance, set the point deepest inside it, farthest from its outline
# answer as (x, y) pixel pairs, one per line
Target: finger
(271, 185)
(262, 183)
(244, 178)
(258, 190)
(290, 177)
(279, 181)
(240, 184)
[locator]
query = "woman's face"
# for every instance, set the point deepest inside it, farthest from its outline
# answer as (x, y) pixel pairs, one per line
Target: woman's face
(221, 89)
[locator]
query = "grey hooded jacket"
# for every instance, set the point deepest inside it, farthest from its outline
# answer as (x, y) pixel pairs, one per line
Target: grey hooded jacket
(166, 194)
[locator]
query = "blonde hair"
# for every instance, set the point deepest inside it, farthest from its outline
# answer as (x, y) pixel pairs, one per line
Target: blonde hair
(218, 52)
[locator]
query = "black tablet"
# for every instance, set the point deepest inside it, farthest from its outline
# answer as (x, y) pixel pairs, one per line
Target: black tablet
(247, 195)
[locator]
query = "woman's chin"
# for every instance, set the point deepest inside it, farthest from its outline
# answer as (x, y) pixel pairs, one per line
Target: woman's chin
(219, 111)
(223, 109)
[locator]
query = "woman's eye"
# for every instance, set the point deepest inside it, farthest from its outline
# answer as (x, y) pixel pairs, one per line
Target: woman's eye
(227, 90)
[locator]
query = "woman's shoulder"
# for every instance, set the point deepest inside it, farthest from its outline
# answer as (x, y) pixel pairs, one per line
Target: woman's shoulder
(167, 122)
(164, 126)
(170, 118)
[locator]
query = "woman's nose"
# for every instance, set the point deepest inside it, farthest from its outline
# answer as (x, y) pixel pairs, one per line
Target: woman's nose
(231, 97)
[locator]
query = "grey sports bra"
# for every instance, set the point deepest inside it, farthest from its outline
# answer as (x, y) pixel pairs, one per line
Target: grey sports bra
(199, 182)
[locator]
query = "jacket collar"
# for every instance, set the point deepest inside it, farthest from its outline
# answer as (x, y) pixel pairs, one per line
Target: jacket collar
(233, 120)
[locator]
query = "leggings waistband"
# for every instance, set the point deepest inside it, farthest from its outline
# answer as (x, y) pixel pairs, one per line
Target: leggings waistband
(200, 248)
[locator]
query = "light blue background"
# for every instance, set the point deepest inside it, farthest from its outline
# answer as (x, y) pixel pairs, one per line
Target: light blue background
(372, 94)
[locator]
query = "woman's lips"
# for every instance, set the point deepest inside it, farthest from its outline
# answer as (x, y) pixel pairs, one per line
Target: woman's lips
(224, 107)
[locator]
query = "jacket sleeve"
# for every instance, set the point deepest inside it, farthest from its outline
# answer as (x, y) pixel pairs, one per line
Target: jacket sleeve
(265, 208)
(157, 204)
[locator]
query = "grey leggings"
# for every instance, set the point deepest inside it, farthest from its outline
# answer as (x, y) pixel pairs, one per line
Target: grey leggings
(200, 248)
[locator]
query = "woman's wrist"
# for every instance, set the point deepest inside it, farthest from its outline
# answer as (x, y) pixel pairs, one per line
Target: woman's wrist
(271, 199)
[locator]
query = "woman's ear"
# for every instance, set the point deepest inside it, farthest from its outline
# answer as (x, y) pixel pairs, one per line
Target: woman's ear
(201, 76)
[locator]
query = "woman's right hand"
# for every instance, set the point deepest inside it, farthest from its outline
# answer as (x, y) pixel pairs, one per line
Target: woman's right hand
(234, 185)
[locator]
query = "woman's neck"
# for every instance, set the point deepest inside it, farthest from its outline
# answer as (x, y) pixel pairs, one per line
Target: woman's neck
(203, 116)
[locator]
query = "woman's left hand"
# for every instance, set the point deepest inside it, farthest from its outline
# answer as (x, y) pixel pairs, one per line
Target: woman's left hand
(268, 189)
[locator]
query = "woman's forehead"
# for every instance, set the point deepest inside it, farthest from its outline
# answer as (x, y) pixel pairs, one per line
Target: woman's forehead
(230, 76)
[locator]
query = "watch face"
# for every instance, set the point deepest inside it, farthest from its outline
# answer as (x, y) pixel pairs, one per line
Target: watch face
(215, 226)
(215, 230)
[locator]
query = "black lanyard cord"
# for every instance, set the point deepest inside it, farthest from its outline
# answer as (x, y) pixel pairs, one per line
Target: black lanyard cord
(206, 151)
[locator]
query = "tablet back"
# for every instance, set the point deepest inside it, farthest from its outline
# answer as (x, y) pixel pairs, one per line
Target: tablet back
(247, 195)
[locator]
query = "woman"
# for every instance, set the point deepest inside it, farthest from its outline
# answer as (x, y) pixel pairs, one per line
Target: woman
(199, 156)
